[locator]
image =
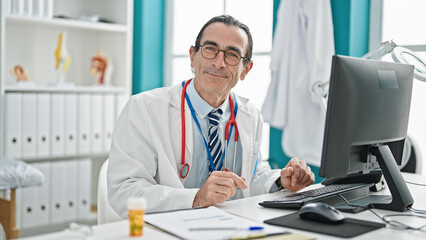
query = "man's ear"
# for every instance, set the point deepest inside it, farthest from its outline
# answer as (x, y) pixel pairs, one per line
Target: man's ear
(246, 70)
(192, 55)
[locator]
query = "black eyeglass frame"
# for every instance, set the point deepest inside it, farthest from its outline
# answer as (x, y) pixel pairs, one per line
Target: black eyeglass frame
(219, 50)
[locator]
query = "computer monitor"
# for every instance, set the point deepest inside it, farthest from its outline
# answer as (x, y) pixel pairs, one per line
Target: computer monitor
(366, 124)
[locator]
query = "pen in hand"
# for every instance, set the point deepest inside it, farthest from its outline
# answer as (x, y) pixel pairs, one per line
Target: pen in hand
(255, 228)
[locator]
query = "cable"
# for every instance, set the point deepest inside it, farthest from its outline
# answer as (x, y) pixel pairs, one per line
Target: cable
(393, 223)
(417, 184)
(419, 211)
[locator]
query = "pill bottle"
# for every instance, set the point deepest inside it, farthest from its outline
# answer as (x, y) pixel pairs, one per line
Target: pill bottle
(136, 208)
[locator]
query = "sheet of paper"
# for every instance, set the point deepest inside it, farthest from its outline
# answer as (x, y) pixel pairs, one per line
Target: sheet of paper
(215, 224)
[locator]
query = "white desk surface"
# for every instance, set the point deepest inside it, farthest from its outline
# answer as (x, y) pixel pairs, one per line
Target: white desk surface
(249, 208)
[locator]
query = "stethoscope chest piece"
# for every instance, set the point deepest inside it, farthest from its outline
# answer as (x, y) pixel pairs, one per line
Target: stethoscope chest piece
(184, 170)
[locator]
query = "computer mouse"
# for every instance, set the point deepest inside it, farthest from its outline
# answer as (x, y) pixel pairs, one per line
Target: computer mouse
(321, 212)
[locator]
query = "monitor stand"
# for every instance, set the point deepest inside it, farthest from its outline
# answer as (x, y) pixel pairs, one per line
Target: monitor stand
(399, 199)
(401, 196)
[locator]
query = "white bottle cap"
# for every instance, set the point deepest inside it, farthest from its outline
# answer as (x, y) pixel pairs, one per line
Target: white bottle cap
(136, 203)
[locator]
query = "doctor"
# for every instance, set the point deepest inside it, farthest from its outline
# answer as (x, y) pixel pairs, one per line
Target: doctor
(170, 144)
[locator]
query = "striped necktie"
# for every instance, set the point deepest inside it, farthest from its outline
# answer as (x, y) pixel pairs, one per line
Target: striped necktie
(215, 146)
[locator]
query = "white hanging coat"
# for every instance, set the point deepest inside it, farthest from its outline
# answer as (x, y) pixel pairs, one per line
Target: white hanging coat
(301, 55)
(146, 152)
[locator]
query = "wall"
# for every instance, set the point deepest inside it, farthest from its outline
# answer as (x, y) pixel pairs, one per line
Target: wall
(148, 45)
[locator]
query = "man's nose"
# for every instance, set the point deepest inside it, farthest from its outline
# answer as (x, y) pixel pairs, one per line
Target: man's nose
(219, 60)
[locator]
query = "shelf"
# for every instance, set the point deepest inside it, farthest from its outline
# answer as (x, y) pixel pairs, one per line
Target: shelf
(66, 157)
(71, 23)
(76, 89)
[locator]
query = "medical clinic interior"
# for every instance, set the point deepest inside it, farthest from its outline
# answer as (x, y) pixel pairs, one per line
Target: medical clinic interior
(330, 94)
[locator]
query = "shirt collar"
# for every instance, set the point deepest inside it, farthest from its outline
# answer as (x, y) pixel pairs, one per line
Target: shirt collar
(201, 107)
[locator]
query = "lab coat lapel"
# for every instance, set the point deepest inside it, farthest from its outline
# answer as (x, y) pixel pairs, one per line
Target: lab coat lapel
(245, 129)
(175, 117)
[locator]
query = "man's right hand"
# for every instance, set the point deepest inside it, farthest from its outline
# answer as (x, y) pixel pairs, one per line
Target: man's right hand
(220, 186)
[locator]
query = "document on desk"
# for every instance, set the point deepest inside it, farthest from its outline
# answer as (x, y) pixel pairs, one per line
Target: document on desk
(210, 223)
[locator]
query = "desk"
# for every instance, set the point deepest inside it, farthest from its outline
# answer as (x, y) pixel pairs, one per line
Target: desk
(249, 208)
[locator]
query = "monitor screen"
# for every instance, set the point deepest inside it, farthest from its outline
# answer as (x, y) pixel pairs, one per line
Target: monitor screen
(368, 104)
(368, 108)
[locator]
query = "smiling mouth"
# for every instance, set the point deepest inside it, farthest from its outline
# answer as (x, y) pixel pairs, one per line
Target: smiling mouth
(216, 75)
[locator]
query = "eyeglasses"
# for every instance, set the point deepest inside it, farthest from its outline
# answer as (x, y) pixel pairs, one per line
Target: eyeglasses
(210, 51)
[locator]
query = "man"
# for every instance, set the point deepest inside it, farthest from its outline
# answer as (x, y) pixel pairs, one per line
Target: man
(171, 159)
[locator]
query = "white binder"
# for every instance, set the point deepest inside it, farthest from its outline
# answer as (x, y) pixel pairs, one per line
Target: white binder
(84, 188)
(83, 125)
(29, 125)
(18, 199)
(43, 124)
(35, 200)
(120, 103)
(58, 191)
(57, 125)
(97, 123)
(43, 195)
(29, 202)
(13, 125)
(70, 124)
(109, 119)
(71, 174)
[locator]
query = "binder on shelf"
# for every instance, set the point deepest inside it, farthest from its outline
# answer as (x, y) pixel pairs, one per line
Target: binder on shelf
(29, 217)
(57, 192)
(71, 191)
(13, 125)
(109, 119)
(96, 132)
(83, 126)
(43, 125)
(18, 199)
(70, 124)
(57, 125)
(84, 188)
(35, 200)
(43, 195)
(29, 125)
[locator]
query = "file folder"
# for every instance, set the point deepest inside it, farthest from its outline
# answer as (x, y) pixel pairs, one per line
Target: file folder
(29, 125)
(35, 200)
(70, 124)
(109, 119)
(43, 195)
(58, 192)
(13, 125)
(57, 125)
(97, 123)
(29, 217)
(43, 125)
(83, 126)
(71, 191)
(84, 188)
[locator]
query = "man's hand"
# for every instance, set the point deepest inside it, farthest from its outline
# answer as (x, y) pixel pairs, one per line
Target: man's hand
(218, 188)
(296, 175)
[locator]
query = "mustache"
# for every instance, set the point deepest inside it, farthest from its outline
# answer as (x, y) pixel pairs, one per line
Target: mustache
(213, 70)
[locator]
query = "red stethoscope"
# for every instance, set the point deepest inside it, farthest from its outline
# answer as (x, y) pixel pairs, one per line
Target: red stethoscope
(184, 167)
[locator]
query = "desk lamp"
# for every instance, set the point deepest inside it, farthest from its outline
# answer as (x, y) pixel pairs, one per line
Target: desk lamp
(399, 55)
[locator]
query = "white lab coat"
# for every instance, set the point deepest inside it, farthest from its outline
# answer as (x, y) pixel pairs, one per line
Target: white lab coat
(301, 55)
(146, 152)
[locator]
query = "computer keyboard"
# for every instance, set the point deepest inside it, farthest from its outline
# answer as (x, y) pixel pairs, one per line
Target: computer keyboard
(296, 200)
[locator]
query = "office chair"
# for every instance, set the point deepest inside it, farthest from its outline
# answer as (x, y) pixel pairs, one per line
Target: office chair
(106, 213)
